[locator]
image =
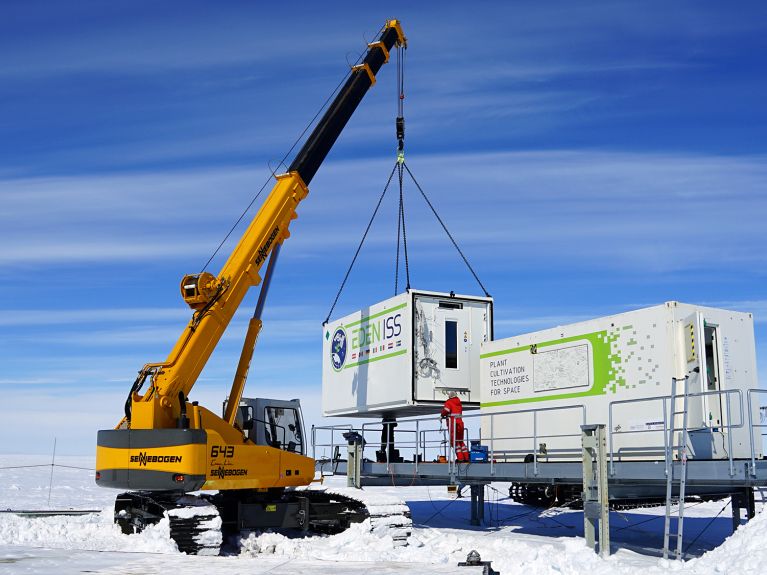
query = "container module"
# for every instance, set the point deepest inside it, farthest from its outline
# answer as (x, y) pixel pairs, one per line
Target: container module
(549, 382)
(402, 356)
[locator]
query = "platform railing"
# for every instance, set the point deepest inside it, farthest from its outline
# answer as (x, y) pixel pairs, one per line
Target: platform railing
(752, 426)
(423, 429)
(377, 427)
(333, 429)
(423, 443)
(669, 425)
(536, 436)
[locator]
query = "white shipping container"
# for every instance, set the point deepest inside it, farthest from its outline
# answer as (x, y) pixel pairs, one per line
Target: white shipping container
(402, 356)
(585, 366)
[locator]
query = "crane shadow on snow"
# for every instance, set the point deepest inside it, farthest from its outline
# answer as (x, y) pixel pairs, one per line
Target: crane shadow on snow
(638, 532)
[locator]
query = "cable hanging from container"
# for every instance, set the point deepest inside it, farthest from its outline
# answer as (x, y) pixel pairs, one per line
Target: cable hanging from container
(359, 247)
(401, 167)
(444, 227)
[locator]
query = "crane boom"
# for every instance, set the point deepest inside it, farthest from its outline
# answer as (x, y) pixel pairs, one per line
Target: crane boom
(256, 455)
(216, 299)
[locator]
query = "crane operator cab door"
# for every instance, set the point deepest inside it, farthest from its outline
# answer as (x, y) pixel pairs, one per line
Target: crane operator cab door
(273, 422)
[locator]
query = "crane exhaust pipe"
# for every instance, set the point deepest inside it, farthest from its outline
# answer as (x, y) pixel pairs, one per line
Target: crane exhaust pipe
(183, 420)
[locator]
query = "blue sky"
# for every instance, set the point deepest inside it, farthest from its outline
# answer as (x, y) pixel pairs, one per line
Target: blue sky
(590, 158)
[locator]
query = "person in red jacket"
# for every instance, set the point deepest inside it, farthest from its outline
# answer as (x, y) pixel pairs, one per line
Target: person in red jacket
(452, 411)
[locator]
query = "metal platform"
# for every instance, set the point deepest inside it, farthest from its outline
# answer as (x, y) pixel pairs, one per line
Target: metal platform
(700, 474)
(425, 439)
(672, 474)
(630, 480)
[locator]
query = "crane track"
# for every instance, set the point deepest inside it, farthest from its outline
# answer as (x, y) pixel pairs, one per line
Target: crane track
(194, 521)
(197, 523)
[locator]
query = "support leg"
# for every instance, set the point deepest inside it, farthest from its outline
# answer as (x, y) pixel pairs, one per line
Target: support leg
(474, 518)
(388, 453)
(735, 503)
(742, 500)
(750, 503)
(481, 504)
(477, 504)
(595, 496)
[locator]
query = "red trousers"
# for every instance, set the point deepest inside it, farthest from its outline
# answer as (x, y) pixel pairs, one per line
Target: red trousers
(455, 425)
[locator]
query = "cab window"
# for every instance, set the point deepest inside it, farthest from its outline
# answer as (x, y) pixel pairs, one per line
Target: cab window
(283, 429)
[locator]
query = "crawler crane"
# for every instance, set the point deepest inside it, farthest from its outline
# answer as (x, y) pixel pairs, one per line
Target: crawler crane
(255, 454)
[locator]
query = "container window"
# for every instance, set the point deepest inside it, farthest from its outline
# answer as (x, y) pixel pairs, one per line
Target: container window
(451, 305)
(451, 344)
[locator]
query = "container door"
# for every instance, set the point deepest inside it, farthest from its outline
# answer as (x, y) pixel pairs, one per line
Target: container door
(443, 340)
(703, 351)
(712, 375)
(692, 332)
(706, 414)
(454, 327)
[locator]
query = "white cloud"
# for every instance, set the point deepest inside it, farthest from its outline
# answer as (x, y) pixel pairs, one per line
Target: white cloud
(39, 317)
(653, 211)
(162, 44)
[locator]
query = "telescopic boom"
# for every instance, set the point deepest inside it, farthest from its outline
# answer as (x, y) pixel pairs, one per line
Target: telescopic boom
(216, 298)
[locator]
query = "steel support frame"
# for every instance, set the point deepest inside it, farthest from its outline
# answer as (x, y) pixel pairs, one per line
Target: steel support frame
(743, 499)
(477, 503)
(596, 509)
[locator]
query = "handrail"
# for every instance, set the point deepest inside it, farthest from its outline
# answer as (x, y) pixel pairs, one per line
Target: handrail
(332, 444)
(421, 443)
(666, 429)
(752, 425)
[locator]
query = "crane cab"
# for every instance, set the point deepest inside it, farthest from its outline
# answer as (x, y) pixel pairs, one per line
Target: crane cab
(273, 423)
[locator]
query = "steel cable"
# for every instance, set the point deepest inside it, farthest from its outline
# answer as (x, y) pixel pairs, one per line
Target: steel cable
(282, 161)
(401, 231)
(444, 227)
(359, 247)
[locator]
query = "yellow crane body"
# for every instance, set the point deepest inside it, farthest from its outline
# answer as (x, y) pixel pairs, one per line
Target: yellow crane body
(166, 445)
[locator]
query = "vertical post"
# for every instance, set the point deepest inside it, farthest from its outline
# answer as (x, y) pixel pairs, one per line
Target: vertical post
(492, 446)
(451, 449)
(665, 444)
(735, 504)
(668, 443)
(354, 460)
(610, 436)
(417, 445)
(535, 443)
(729, 429)
(596, 511)
(743, 499)
(53, 463)
(751, 433)
(477, 503)
(604, 501)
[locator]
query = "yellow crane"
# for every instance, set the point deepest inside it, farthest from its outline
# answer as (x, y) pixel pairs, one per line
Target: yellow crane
(166, 446)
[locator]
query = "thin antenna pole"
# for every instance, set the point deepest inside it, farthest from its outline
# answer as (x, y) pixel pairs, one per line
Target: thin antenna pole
(53, 462)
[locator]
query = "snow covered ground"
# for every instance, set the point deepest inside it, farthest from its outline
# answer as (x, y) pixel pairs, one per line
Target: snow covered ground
(517, 539)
